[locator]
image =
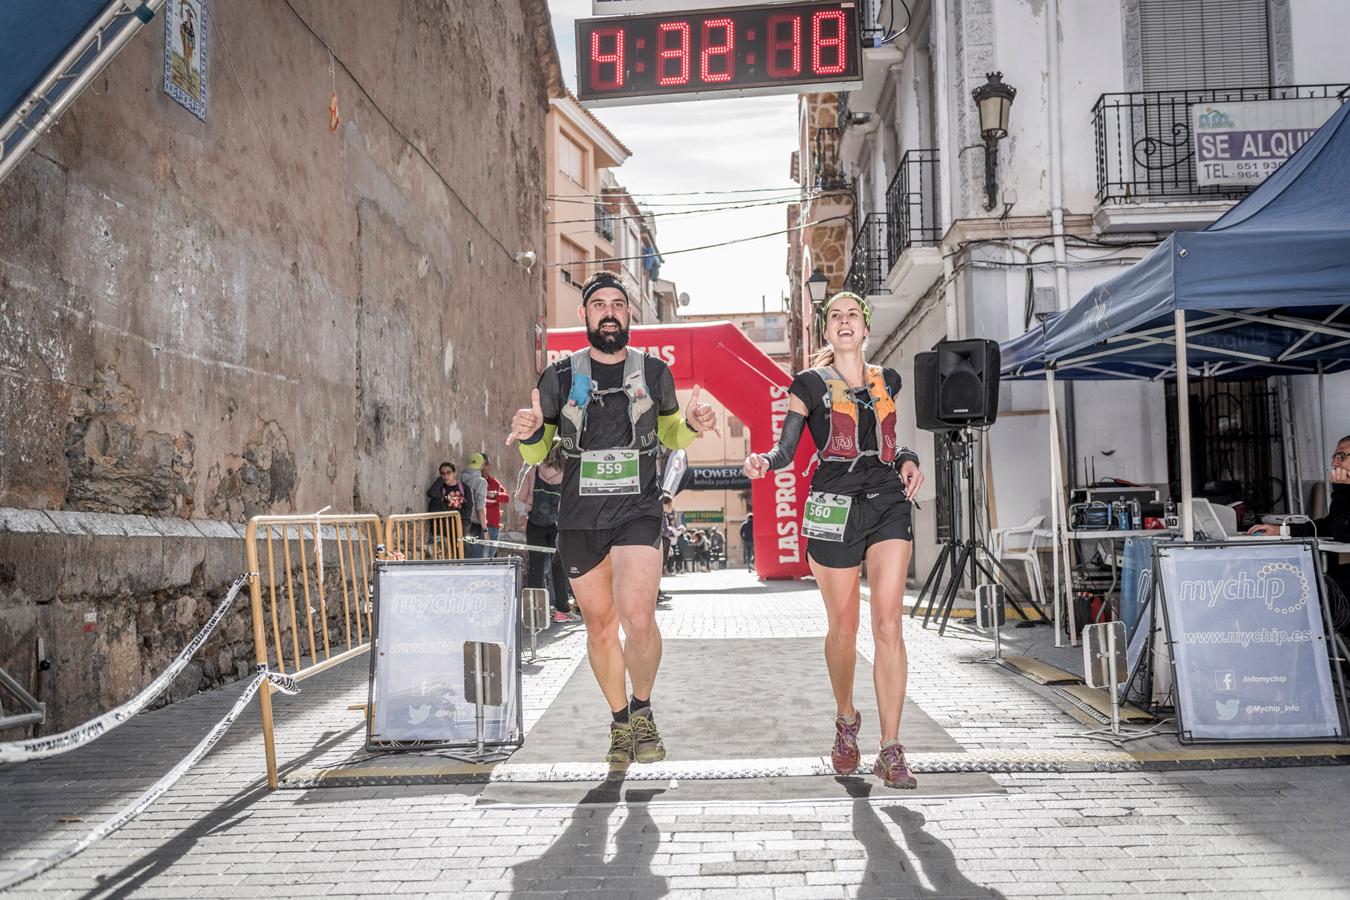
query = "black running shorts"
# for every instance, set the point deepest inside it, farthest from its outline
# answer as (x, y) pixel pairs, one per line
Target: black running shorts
(874, 517)
(584, 550)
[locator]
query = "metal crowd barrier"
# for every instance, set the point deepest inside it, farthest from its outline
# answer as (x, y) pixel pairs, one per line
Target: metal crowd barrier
(289, 558)
(424, 536)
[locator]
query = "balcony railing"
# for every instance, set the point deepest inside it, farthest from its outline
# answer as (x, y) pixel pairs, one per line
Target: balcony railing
(1144, 143)
(911, 204)
(826, 165)
(871, 260)
(604, 222)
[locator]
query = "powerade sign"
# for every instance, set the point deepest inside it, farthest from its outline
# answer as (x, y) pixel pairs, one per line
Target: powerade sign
(1249, 652)
(1243, 143)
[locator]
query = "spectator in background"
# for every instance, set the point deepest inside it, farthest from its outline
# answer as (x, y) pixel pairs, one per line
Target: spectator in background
(475, 491)
(541, 493)
(668, 531)
(446, 494)
(748, 540)
(497, 497)
(717, 549)
(683, 551)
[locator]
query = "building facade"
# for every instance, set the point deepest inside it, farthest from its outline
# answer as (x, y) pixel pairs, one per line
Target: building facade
(307, 299)
(954, 236)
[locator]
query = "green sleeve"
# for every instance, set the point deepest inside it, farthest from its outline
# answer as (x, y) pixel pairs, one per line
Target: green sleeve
(535, 452)
(674, 433)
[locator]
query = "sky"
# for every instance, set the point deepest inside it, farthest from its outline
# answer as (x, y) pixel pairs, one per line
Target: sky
(704, 145)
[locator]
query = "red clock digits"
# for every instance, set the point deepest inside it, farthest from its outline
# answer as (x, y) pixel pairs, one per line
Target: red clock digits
(679, 53)
(726, 50)
(820, 42)
(789, 47)
(600, 59)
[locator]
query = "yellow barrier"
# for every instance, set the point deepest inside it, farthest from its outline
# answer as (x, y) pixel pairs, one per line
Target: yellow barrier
(437, 535)
(274, 569)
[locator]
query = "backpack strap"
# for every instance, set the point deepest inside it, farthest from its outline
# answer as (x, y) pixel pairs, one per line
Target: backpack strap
(883, 406)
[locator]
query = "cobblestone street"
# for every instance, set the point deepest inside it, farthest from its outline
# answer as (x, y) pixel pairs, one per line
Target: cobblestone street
(220, 833)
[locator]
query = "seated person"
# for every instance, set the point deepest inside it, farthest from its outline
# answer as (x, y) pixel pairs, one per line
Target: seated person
(1335, 525)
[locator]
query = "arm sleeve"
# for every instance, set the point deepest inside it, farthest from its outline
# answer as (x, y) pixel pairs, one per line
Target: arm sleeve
(785, 450)
(480, 493)
(533, 452)
(670, 426)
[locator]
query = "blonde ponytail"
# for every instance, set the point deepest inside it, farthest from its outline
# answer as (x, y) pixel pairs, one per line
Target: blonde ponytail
(824, 357)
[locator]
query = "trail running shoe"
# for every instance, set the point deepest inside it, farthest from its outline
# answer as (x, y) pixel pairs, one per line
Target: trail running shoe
(647, 746)
(620, 743)
(844, 755)
(561, 617)
(890, 767)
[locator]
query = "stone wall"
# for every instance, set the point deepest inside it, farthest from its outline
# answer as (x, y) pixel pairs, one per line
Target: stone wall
(255, 313)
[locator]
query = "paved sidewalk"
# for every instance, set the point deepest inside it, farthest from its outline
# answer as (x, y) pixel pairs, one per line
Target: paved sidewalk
(219, 833)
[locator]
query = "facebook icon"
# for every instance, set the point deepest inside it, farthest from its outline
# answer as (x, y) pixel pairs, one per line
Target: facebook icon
(1225, 681)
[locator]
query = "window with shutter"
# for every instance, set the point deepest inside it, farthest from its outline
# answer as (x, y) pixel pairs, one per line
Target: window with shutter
(1191, 44)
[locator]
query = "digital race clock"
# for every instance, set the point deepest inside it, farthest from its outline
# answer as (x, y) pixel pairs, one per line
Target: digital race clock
(777, 48)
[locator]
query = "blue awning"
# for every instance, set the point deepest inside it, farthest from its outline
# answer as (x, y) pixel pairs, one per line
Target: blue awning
(1266, 288)
(35, 36)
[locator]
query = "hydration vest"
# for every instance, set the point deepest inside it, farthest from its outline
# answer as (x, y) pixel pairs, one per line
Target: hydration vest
(844, 441)
(642, 413)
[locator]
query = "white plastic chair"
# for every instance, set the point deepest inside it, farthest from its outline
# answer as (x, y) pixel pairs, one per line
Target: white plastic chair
(1019, 544)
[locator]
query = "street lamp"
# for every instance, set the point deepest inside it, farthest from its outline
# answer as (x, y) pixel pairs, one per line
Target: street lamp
(818, 285)
(994, 100)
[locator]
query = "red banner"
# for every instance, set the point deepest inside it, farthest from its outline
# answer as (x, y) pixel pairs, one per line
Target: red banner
(718, 357)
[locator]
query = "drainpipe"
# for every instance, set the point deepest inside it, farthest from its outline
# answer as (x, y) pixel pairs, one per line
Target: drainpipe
(1062, 300)
(942, 94)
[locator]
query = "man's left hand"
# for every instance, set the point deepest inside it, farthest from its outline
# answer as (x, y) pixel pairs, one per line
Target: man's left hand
(912, 476)
(701, 416)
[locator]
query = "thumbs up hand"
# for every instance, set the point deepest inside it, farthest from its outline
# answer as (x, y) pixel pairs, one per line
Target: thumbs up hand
(526, 421)
(701, 416)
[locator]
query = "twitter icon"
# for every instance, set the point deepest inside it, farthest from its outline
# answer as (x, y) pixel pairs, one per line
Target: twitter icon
(1227, 709)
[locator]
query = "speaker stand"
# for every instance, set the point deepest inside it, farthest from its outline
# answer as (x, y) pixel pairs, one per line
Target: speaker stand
(968, 550)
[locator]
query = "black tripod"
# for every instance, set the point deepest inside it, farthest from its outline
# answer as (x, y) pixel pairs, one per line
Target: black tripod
(961, 551)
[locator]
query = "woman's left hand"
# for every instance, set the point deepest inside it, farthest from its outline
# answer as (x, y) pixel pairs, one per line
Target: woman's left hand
(912, 476)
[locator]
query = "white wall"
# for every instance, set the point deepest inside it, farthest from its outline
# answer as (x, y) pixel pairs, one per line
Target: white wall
(1320, 28)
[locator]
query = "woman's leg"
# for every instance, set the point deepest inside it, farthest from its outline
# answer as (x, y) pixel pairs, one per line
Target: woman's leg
(887, 566)
(537, 562)
(558, 582)
(839, 587)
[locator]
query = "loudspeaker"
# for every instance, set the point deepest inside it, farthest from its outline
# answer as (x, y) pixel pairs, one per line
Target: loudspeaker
(956, 385)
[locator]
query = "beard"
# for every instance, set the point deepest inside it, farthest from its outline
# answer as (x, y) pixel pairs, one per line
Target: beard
(607, 342)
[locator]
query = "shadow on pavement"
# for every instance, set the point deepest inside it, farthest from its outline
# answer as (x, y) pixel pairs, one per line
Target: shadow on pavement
(888, 874)
(136, 874)
(575, 862)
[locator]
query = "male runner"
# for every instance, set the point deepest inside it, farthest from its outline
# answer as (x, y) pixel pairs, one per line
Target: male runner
(609, 406)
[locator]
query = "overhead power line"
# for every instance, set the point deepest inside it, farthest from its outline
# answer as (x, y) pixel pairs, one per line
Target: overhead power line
(688, 212)
(742, 240)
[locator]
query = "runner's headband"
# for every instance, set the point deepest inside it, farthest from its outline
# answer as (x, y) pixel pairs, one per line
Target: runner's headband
(849, 295)
(599, 281)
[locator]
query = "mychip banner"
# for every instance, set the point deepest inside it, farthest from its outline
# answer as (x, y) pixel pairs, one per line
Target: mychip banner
(1249, 651)
(430, 620)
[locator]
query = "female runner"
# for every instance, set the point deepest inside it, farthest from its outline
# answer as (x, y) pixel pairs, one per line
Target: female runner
(858, 508)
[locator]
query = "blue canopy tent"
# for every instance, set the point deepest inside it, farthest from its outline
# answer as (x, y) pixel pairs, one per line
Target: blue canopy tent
(1263, 291)
(49, 53)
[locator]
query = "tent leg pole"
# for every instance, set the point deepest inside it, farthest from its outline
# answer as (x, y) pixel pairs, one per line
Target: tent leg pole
(1184, 429)
(1054, 505)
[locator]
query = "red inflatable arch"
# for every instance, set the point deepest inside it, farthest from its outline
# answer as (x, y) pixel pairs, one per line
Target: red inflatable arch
(718, 357)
